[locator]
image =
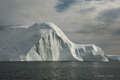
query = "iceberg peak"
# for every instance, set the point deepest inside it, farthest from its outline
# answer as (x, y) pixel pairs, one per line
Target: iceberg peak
(45, 42)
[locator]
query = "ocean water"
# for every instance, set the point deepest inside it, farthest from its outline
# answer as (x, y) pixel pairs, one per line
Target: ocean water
(59, 70)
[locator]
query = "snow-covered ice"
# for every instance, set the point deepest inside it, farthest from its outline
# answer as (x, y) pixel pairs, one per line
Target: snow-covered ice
(44, 42)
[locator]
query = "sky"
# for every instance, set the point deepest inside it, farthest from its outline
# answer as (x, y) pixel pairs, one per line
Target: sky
(83, 21)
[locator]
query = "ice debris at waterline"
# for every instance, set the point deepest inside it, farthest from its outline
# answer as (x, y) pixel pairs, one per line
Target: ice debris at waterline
(44, 42)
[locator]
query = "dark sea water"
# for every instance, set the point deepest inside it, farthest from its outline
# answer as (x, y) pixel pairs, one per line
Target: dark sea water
(59, 70)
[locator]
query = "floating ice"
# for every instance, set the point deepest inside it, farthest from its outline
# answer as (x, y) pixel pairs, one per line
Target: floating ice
(44, 42)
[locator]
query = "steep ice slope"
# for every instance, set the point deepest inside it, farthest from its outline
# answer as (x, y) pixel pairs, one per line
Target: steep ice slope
(16, 42)
(54, 45)
(44, 42)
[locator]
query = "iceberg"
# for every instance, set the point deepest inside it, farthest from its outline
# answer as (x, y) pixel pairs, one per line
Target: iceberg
(113, 57)
(44, 42)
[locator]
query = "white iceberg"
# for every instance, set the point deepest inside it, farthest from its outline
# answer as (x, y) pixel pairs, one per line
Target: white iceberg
(44, 42)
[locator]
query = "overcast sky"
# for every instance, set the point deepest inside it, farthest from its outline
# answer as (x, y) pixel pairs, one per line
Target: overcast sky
(83, 21)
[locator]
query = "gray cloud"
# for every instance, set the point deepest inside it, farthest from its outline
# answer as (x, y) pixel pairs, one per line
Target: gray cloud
(109, 16)
(64, 5)
(87, 10)
(25, 11)
(83, 32)
(116, 32)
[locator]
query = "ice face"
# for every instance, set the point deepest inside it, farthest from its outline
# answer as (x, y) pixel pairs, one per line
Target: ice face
(55, 46)
(51, 47)
(114, 57)
(44, 42)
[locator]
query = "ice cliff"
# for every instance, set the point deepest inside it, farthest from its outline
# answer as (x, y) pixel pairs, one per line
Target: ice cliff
(44, 42)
